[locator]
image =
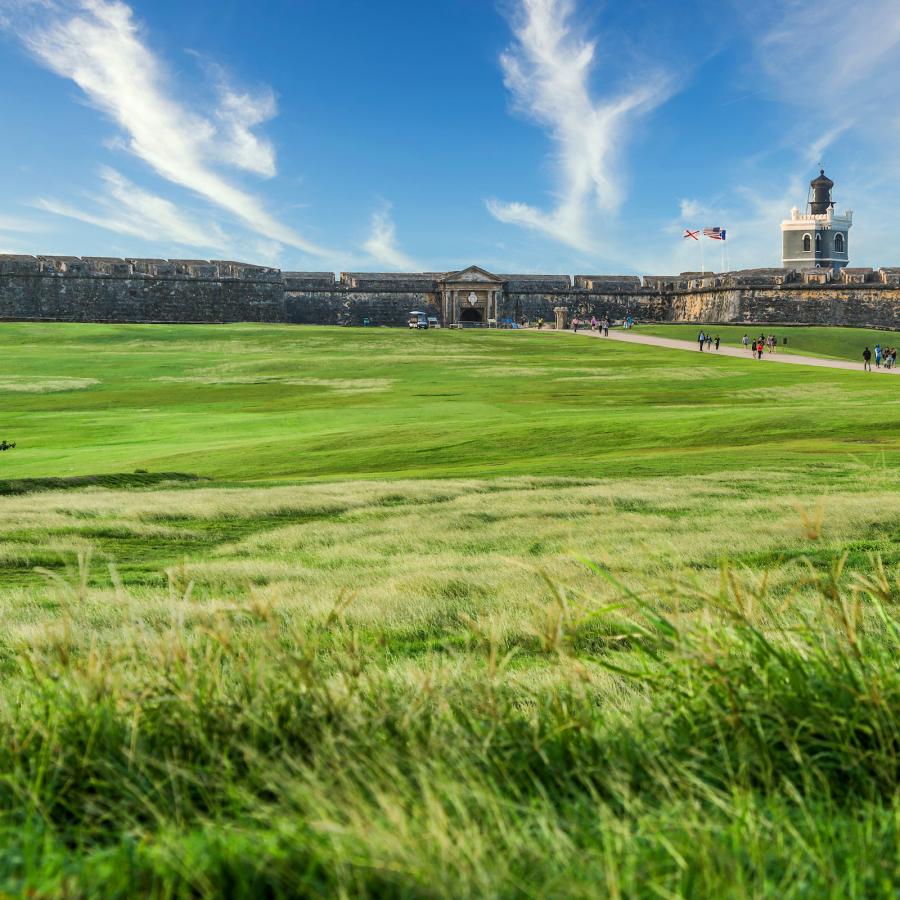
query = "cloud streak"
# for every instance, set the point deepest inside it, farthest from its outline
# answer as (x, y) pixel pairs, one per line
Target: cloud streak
(382, 245)
(99, 46)
(548, 72)
(20, 225)
(848, 56)
(130, 210)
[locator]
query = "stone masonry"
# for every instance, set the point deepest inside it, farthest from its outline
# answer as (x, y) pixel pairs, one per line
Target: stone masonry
(95, 289)
(99, 289)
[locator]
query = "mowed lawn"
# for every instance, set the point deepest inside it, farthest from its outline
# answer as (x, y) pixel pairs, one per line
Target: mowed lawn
(830, 343)
(248, 403)
(367, 613)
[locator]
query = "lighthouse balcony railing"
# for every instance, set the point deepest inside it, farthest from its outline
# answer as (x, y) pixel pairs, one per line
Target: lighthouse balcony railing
(822, 217)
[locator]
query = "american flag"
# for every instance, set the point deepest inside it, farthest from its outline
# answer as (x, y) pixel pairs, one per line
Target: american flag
(716, 234)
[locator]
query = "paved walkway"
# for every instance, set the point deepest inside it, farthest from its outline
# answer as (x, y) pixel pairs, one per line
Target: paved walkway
(635, 337)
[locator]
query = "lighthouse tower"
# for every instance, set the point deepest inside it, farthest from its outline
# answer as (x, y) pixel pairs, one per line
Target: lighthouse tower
(818, 238)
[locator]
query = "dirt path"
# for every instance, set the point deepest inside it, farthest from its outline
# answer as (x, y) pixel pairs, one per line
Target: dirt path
(635, 337)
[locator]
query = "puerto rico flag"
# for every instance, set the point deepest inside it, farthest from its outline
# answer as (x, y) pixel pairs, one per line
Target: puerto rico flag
(715, 234)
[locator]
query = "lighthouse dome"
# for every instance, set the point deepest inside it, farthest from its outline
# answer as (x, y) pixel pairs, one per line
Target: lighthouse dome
(823, 181)
(821, 194)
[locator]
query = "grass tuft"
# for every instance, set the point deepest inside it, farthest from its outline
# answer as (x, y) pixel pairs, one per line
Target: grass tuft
(249, 751)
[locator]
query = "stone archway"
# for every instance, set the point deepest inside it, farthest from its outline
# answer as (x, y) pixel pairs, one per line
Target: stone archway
(474, 290)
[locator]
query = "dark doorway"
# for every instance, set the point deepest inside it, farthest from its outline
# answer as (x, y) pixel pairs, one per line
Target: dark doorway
(470, 315)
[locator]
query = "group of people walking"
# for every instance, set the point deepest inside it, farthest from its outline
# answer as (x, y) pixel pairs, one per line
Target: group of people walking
(887, 355)
(596, 325)
(757, 346)
(707, 340)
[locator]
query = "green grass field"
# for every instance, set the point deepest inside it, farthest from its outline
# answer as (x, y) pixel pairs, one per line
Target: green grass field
(830, 343)
(308, 611)
(265, 403)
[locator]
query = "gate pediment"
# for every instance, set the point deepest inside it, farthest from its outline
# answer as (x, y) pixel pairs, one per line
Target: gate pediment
(472, 275)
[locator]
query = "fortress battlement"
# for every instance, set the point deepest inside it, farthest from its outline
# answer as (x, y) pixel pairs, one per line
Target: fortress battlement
(113, 267)
(110, 289)
(427, 282)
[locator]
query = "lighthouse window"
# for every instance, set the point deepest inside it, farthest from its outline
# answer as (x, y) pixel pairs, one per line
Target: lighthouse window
(807, 243)
(839, 243)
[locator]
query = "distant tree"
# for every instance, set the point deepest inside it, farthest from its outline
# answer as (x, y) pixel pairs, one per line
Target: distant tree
(6, 445)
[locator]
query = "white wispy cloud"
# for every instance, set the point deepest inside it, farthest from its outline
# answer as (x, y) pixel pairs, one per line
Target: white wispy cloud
(840, 69)
(99, 46)
(548, 72)
(693, 210)
(382, 246)
(21, 225)
(833, 53)
(127, 209)
(238, 114)
(817, 147)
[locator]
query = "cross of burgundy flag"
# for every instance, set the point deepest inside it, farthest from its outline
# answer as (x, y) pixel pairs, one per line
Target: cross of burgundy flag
(695, 235)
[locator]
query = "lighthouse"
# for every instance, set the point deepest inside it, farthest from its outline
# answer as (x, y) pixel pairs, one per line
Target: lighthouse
(818, 238)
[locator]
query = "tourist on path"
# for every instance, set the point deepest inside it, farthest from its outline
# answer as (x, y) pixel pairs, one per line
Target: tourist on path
(593, 323)
(746, 342)
(606, 327)
(878, 356)
(575, 324)
(702, 340)
(867, 360)
(717, 343)
(759, 348)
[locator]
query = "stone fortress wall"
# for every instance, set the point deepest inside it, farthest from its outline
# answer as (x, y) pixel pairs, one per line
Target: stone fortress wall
(100, 289)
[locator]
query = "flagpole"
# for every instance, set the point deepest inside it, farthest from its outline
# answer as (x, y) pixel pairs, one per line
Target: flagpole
(702, 266)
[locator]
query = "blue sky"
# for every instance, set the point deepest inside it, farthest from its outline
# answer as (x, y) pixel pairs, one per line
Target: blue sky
(557, 136)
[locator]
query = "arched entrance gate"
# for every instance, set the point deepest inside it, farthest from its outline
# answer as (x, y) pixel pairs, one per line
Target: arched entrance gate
(470, 296)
